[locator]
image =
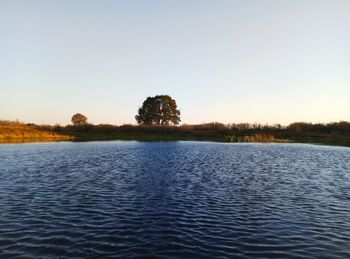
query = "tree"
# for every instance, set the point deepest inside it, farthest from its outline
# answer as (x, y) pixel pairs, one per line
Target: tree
(79, 119)
(158, 110)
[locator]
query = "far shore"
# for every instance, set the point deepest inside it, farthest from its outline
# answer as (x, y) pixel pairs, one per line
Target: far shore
(328, 134)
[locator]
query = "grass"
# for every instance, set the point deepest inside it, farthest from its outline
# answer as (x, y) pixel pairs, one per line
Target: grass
(16, 132)
(330, 134)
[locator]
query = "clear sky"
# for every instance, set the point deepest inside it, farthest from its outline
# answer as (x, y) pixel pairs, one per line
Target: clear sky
(229, 61)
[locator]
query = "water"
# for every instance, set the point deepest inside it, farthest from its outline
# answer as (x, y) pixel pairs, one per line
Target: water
(174, 199)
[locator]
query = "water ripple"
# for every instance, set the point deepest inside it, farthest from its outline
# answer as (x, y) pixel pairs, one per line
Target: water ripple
(174, 199)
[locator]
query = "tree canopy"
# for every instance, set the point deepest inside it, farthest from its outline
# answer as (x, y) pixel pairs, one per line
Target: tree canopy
(158, 110)
(79, 119)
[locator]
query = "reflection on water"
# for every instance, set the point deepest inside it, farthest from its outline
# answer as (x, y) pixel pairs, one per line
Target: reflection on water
(174, 199)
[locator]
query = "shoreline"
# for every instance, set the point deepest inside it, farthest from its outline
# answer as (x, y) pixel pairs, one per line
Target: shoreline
(71, 140)
(333, 134)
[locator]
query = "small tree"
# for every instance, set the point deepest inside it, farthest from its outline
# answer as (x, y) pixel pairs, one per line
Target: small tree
(158, 110)
(79, 119)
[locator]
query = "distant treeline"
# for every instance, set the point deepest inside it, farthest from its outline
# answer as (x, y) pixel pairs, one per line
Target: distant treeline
(337, 133)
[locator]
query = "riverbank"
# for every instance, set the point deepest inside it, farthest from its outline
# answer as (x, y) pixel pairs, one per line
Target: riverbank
(328, 134)
(15, 132)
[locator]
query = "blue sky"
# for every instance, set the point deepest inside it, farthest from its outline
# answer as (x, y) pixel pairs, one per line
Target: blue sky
(229, 61)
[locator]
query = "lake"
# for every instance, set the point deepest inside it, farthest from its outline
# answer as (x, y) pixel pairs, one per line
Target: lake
(174, 199)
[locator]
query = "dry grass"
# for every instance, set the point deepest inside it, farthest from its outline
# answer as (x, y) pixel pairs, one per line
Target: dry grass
(20, 132)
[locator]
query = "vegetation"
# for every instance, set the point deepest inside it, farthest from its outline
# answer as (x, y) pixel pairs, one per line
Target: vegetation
(158, 110)
(332, 133)
(156, 126)
(79, 119)
(19, 132)
(337, 133)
